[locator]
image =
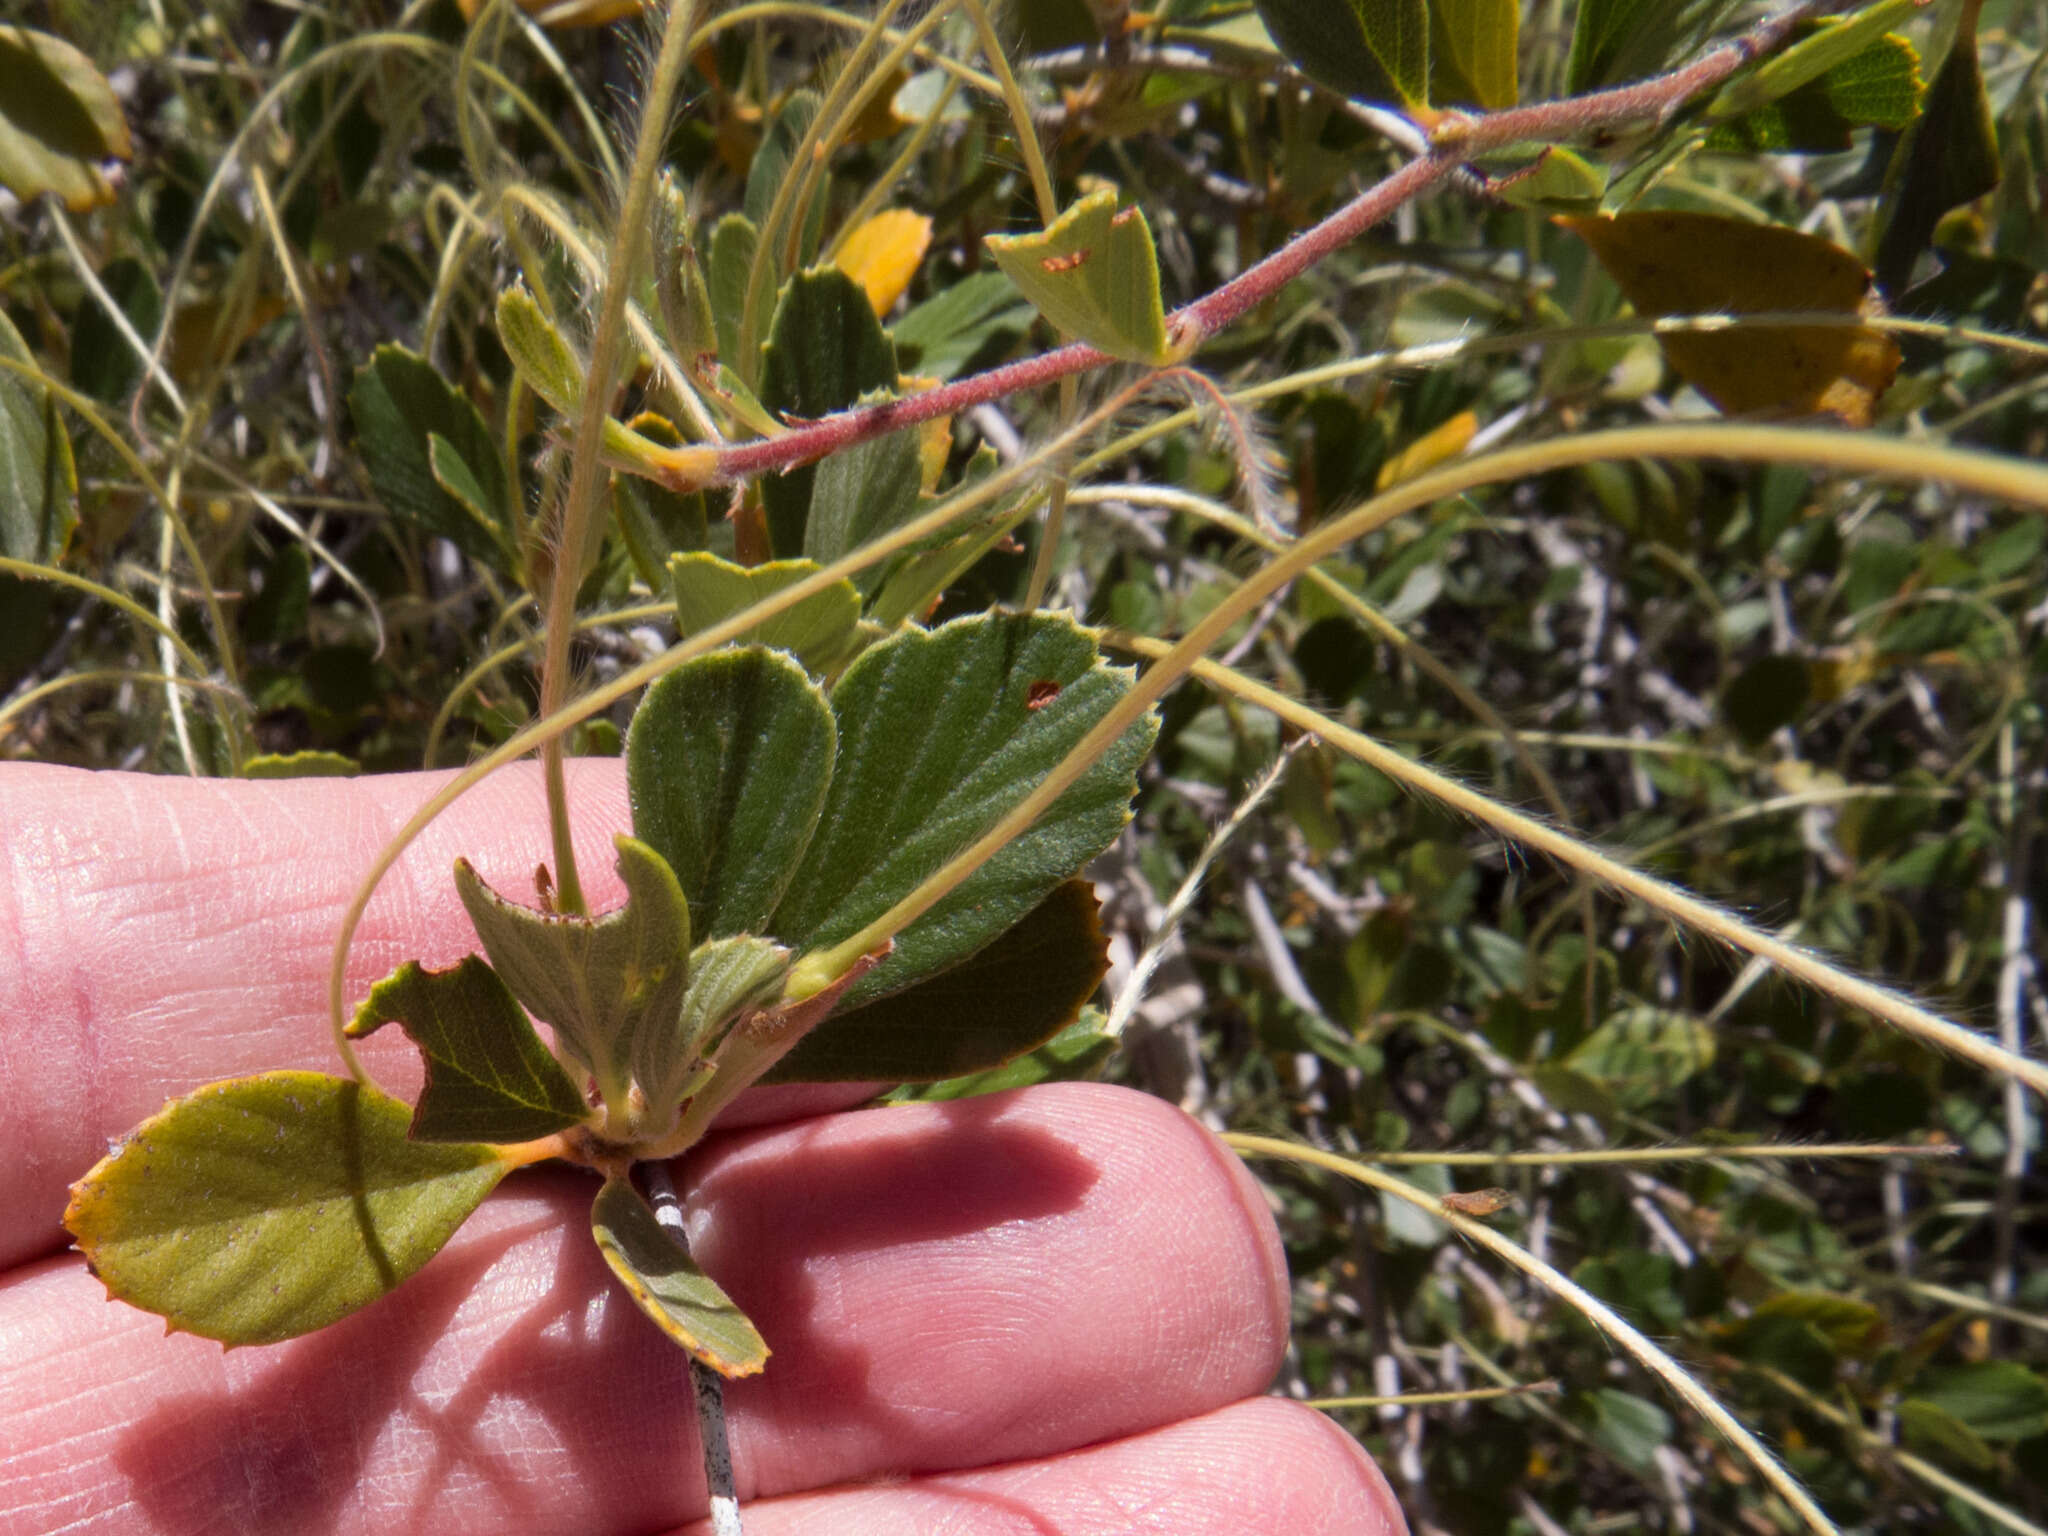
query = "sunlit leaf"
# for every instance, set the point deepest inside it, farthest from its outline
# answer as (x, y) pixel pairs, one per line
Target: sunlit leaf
(940, 733)
(489, 1078)
(602, 981)
(1371, 50)
(1826, 44)
(300, 765)
(59, 121)
(1473, 51)
(1444, 441)
(544, 360)
(819, 631)
(1095, 275)
(1877, 86)
(883, 253)
(1643, 1053)
(665, 1283)
(1555, 179)
(265, 1207)
(1014, 994)
(1673, 263)
(727, 765)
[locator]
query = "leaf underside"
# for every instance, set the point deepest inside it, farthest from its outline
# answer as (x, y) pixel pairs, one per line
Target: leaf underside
(601, 982)
(265, 1207)
(489, 1078)
(666, 1284)
(818, 631)
(1675, 263)
(727, 764)
(1095, 275)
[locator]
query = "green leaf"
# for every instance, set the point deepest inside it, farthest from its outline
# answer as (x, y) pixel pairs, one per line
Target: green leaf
(727, 977)
(103, 364)
(1830, 44)
(601, 982)
(947, 331)
(544, 360)
(1629, 1428)
(59, 121)
(938, 737)
(819, 630)
(1878, 87)
(1554, 179)
(734, 240)
(38, 477)
(862, 492)
(727, 765)
(1617, 40)
(454, 476)
(300, 765)
(399, 404)
(665, 1283)
(489, 1078)
(1473, 49)
(1371, 50)
(1640, 1054)
(825, 350)
(1095, 275)
(1929, 1427)
(1999, 1400)
(1947, 158)
(1013, 995)
(266, 1207)
(1079, 1051)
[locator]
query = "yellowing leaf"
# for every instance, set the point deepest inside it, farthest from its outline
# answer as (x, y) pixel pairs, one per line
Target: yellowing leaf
(883, 253)
(58, 121)
(565, 13)
(934, 437)
(1673, 263)
(1429, 450)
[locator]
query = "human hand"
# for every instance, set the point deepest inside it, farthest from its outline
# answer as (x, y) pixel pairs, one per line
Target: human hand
(1044, 1311)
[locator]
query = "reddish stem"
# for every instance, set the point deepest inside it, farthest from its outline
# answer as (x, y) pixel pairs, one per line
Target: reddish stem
(1456, 138)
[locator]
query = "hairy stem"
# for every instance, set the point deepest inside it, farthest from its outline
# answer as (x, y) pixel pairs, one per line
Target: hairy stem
(1455, 140)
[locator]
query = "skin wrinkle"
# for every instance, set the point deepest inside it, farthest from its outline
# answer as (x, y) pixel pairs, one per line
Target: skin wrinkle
(1263, 1465)
(510, 1383)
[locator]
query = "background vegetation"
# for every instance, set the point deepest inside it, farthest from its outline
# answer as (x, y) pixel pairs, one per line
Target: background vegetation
(1814, 697)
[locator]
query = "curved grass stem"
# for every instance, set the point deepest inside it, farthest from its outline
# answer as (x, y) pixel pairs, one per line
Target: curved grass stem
(1595, 1311)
